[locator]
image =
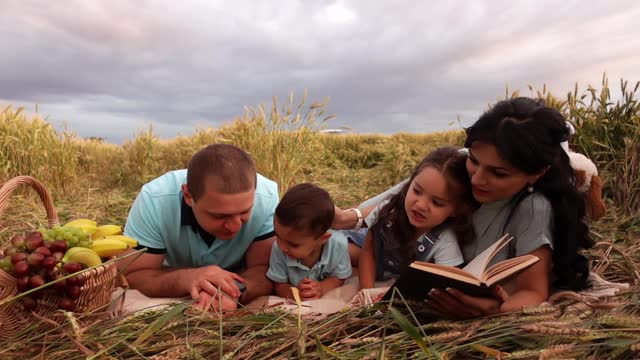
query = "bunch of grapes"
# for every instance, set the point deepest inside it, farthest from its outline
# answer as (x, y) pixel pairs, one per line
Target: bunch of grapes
(73, 236)
(35, 262)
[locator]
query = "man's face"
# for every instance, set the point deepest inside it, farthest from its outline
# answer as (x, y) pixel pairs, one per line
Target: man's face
(221, 215)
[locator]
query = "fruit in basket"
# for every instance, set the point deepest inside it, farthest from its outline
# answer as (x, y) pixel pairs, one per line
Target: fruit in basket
(70, 235)
(22, 283)
(36, 281)
(18, 241)
(49, 263)
(6, 264)
(66, 304)
(108, 247)
(35, 260)
(106, 230)
(84, 256)
(87, 225)
(18, 257)
(33, 241)
(59, 246)
(72, 267)
(131, 242)
(21, 268)
(73, 291)
(43, 250)
(49, 254)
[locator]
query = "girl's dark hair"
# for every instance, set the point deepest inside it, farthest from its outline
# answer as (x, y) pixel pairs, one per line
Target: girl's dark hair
(527, 134)
(452, 165)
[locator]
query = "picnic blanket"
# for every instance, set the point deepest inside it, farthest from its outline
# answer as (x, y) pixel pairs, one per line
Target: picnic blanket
(348, 296)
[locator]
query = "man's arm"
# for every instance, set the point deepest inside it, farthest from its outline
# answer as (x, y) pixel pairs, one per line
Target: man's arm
(257, 260)
(147, 275)
(259, 252)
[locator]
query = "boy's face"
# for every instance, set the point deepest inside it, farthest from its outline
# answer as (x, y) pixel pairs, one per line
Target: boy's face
(298, 244)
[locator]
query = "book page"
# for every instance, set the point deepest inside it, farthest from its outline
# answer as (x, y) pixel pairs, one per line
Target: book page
(446, 271)
(478, 265)
(508, 267)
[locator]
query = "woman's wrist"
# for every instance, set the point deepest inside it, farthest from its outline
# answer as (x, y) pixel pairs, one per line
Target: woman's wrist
(344, 219)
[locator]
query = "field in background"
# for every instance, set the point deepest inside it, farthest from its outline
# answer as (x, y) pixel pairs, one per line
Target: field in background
(100, 180)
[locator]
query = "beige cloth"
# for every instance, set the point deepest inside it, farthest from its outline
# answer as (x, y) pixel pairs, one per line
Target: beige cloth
(338, 299)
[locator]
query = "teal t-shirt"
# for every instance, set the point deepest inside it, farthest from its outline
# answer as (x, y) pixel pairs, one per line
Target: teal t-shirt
(334, 262)
(157, 221)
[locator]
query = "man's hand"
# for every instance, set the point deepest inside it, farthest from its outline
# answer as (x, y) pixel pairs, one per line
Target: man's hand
(457, 304)
(309, 289)
(222, 302)
(209, 278)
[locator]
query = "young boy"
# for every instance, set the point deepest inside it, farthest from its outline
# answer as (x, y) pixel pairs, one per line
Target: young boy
(307, 254)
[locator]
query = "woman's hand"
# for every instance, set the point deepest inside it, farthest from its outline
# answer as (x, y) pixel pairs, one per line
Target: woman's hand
(456, 304)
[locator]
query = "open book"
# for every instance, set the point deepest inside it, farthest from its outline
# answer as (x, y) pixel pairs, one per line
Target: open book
(474, 279)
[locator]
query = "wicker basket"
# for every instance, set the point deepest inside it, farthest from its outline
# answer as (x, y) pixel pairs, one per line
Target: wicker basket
(95, 293)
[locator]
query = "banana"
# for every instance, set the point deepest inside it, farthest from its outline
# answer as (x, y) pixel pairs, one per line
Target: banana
(106, 230)
(81, 222)
(87, 225)
(106, 248)
(131, 242)
(87, 257)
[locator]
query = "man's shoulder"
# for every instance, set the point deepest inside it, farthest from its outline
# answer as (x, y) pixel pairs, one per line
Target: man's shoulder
(266, 197)
(169, 183)
(266, 188)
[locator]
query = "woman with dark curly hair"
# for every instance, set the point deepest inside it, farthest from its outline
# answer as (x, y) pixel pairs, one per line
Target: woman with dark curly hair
(526, 186)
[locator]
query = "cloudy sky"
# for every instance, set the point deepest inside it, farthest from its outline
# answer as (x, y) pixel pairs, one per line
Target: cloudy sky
(109, 68)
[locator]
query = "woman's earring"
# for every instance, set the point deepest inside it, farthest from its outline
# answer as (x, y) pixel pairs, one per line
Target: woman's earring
(530, 189)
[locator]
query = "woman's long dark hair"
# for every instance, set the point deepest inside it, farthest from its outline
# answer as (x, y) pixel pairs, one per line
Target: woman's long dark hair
(452, 165)
(527, 134)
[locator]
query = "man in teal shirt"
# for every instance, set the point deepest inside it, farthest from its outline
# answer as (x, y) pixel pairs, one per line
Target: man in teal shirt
(207, 227)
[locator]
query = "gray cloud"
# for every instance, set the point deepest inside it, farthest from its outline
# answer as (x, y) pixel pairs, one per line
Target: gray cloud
(109, 68)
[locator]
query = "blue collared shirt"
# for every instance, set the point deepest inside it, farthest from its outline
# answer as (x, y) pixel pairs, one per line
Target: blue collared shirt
(334, 262)
(160, 223)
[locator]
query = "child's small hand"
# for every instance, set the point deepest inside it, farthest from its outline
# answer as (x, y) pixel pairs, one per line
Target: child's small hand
(309, 289)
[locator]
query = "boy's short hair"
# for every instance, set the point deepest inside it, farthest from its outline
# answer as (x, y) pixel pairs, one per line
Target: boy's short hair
(307, 208)
(228, 168)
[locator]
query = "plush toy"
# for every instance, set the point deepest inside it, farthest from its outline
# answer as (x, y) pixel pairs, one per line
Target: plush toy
(589, 183)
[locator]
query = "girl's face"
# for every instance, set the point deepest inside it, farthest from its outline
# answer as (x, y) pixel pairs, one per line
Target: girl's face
(493, 178)
(428, 202)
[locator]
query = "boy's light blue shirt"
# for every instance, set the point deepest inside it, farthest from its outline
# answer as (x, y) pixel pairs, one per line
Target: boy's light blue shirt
(155, 221)
(334, 262)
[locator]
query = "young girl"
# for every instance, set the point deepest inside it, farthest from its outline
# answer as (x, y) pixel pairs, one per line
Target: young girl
(424, 221)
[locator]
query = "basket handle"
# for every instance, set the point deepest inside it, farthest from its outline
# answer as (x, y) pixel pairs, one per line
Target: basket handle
(8, 187)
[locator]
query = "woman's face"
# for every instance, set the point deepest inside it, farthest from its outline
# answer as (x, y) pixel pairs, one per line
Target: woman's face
(493, 178)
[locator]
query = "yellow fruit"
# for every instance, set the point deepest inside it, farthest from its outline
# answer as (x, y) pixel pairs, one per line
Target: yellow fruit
(131, 242)
(106, 248)
(82, 255)
(88, 226)
(81, 222)
(106, 230)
